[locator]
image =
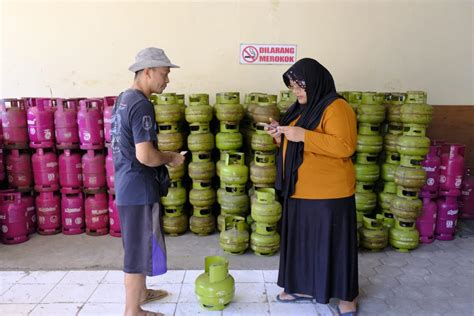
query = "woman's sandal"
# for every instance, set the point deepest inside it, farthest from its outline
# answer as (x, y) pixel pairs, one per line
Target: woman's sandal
(154, 295)
(339, 313)
(294, 298)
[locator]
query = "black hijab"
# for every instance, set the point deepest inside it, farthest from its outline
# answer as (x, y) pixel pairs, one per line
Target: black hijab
(321, 91)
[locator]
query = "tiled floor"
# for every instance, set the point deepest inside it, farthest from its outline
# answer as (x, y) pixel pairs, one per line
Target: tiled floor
(435, 279)
(102, 293)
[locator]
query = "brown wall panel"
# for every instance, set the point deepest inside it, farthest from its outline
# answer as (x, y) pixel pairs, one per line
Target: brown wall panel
(454, 124)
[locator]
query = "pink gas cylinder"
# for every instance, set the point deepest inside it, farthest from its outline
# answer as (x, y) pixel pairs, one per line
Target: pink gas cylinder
(447, 218)
(466, 201)
(114, 218)
(2, 165)
(70, 171)
(1, 131)
(108, 107)
(431, 165)
(48, 209)
(110, 171)
(40, 118)
(91, 124)
(13, 223)
(97, 214)
(15, 129)
(72, 213)
(452, 168)
(32, 102)
(19, 170)
(65, 121)
(45, 170)
(28, 198)
(93, 171)
(426, 222)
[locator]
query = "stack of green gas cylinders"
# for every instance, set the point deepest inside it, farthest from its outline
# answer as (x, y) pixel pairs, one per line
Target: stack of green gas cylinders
(231, 168)
(412, 145)
(394, 129)
(263, 148)
(266, 212)
(370, 115)
(169, 114)
(201, 169)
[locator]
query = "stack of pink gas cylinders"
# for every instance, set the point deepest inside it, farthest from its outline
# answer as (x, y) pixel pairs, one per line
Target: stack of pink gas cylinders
(444, 166)
(54, 154)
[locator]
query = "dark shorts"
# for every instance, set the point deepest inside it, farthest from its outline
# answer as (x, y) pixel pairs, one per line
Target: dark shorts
(143, 240)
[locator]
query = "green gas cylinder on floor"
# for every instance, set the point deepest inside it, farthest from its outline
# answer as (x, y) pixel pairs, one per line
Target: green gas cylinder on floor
(373, 235)
(215, 287)
(404, 237)
(263, 242)
(202, 222)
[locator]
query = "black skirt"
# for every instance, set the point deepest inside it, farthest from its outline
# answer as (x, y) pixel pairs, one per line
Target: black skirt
(318, 253)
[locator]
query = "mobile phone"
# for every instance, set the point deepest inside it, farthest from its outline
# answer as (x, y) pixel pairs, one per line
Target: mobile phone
(184, 152)
(266, 125)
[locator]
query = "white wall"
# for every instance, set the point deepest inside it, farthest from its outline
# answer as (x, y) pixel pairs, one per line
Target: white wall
(71, 48)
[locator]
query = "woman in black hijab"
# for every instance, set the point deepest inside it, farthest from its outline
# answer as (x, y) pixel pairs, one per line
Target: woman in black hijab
(316, 180)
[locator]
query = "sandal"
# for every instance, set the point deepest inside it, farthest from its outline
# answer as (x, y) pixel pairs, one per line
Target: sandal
(339, 313)
(294, 298)
(154, 295)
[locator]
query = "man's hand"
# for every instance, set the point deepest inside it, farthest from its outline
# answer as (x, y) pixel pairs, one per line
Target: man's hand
(176, 159)
(293, 133)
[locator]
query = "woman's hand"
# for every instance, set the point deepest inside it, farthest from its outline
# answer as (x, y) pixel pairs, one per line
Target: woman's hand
(293, 133)
(274, 131)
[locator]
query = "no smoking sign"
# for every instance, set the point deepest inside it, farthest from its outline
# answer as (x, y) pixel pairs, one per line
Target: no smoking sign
(251, 54)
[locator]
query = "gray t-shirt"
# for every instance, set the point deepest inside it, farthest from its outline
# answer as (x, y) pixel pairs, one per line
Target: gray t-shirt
(133, 122)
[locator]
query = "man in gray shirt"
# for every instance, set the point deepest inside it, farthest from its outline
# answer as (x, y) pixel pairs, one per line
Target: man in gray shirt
(139, 169)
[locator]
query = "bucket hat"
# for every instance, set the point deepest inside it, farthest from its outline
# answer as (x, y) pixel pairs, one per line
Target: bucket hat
(151, 57)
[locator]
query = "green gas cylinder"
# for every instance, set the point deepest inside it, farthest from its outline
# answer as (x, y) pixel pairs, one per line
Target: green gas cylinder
(264, 243)
(373, 235)
(403, 236)
(235, 237)
(215, 287)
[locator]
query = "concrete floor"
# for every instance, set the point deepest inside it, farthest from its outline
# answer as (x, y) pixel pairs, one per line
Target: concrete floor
(83, 252)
